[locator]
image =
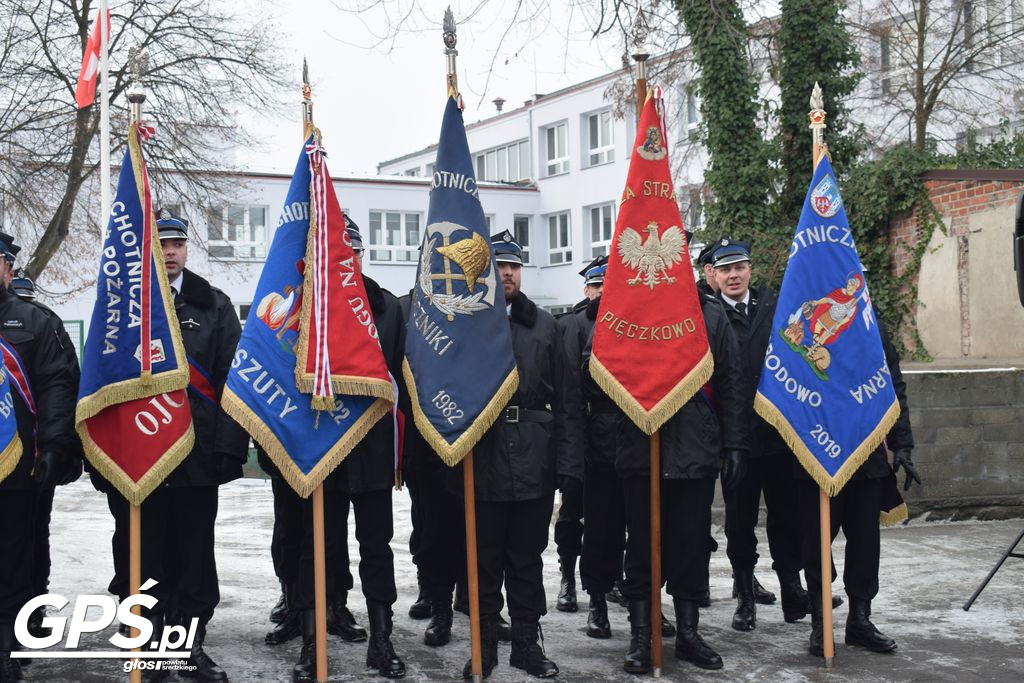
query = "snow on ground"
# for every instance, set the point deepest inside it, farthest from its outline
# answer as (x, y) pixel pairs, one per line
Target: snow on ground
(928, 571)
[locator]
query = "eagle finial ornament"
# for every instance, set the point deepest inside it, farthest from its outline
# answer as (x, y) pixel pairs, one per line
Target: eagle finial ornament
(654, 256)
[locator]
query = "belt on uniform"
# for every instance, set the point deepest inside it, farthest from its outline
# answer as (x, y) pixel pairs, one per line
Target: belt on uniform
(514, 414)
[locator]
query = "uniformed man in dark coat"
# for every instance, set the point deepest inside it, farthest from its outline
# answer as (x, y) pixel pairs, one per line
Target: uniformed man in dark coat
(50, 447)
(751, 310)
(707, 285)
(181, 515)
(708, 436)
(569, 526)
(534, 447)
(855, 509)
(604, 533)
(437, 544)
(362, 483)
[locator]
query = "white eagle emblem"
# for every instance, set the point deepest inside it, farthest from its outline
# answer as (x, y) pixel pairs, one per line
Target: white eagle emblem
(654, 256)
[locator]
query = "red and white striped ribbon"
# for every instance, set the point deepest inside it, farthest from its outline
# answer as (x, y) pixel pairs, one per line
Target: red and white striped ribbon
(145, 132)
(318, 207)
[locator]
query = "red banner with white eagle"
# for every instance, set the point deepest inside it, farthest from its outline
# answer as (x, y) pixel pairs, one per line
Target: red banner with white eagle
(650, 349)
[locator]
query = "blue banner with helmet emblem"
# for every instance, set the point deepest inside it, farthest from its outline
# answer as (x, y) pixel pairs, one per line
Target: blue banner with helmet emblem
(458, 364)
(825, 384)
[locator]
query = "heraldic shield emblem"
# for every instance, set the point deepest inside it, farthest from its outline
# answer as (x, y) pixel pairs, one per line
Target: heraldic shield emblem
(456, 276)
(825, 198)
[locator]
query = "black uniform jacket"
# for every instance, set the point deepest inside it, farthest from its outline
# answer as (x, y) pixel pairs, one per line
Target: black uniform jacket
(753, 333)
(418, 458)
(35, 334)
(601, 415)
(210, 332)
(521, 460)
(693, 439)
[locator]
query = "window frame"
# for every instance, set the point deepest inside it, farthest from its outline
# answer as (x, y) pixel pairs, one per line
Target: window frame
(556, 165)
(605, 243)
(563, 252)
(602, 153)
(258, 247)
(375, 249)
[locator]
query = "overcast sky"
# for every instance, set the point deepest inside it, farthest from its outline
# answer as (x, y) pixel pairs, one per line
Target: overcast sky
(376, 100)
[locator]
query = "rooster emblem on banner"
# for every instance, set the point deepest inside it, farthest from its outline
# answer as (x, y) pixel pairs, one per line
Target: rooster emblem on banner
(652, 257)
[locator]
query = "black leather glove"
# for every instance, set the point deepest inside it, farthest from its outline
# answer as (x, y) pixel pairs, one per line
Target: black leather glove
(734, 468)
(569, 485)
(901, 458)
(49, 469)
(72, 471)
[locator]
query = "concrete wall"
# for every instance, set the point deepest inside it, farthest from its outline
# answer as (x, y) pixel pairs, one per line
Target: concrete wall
(969, 434)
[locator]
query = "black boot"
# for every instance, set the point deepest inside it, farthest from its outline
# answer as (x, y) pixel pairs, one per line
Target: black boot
(794, 597)
(762, 596)
(279, 611)
(340, 621)
(35, 623)
(10, 669)
(380, 654)
(745, 618)
(461, 604)
(205, 668)
(503, 629)
(597, 619)
(861, 632)
(638, 659)
(304, 670)
(488, 647)
(667, 629)
(290, 627)
(421, 608)
(815, 644)
(615, 595)
(567, 591)
(706, 600)
(689, 645)
(439, 630)
(157, 620)
(527, 651)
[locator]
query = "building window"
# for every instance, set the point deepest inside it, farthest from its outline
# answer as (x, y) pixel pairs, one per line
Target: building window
(600, 139)
(559, 239)
(394, 236)
(691, 107)
(556, 149)
(430, 170)
(413, 172)
(489, 220)
(559, 310)
(602, 224)
(237, 232)
(521, 229)
(505, 164)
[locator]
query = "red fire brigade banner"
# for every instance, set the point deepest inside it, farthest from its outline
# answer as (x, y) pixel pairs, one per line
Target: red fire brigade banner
(650, 349)
(339, 349)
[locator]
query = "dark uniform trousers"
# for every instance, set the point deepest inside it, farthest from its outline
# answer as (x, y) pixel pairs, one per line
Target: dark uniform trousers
(685, 527)
(286, 541)
(439, 523)
(604, 535)
(16, 530)
(374, 529)
(569, 525)
(772, 474)
(42, 507)
(510, 538)
(181, 521)
(855, 511)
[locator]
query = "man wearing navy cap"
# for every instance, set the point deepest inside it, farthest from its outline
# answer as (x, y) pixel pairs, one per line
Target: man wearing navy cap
(181, 515)
(750, 311)
(534, 447)
(707, 285)
(49, 453)
(569, 526)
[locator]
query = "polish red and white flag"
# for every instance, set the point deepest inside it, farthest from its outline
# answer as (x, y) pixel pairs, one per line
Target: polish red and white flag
(85, 91)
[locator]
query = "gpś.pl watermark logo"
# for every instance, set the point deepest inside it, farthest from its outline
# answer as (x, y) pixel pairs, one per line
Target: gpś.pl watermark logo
(175, 642)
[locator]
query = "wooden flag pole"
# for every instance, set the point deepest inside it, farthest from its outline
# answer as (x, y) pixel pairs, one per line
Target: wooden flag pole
(320, 584)
(656, 553)
(469, 497)
(817, 126)
(135, 574)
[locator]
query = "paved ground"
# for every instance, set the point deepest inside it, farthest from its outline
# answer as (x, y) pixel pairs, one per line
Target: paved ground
(928, 570)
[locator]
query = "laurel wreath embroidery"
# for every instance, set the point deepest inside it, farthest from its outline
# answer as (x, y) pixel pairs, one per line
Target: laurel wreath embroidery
(449, 304)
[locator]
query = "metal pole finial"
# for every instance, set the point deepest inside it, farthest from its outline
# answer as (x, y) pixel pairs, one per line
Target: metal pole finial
(450, 40)
(817, 125)
(138, 65)
(307, 99)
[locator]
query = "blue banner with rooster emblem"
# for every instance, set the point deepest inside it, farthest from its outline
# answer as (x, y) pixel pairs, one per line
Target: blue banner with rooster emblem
(825, 384)
(458, 365)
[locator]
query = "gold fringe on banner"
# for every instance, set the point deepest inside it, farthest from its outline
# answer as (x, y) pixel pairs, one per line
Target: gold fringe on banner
(10, 456)
(650, 421)
(136, 492)
(831, 485)
(453, 453)
(894, 516)
(302, 484)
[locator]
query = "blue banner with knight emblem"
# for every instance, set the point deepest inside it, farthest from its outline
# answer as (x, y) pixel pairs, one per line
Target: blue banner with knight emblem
(261, 391)
(458, 366)
(825, 384)
(10, 443)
